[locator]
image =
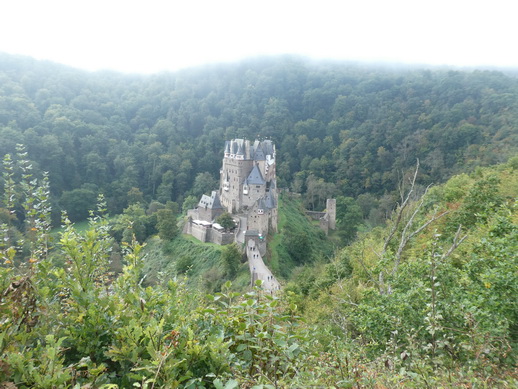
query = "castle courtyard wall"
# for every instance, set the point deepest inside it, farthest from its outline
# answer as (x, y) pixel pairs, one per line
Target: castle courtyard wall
(199, 232)
(220, 237)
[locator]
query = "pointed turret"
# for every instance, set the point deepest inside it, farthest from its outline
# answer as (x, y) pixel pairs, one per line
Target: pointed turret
(255, 177)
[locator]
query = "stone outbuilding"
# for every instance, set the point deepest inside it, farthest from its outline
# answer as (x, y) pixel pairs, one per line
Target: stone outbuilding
(209, 207)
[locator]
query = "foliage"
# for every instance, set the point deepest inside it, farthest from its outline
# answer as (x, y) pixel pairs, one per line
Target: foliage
(298, 240)
(226, 221)
(340, 129)
(317, 192)
(450, 302)
(449, 318)
(349, 217)
(166, 224)
(134, 221)
(231, 259)
(190, 202)
(182, 256)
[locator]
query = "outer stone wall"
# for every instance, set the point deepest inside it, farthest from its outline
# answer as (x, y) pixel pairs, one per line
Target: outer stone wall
(221, 238)
(315, 215)
(199, 232)
(208, 234)
(324, 225)
(331, 213)
(327, 219)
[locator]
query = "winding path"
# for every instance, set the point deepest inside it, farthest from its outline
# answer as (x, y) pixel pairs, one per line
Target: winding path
(258, 269)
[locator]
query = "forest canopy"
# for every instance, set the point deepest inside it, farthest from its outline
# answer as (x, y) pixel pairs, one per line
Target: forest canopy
(340, 129)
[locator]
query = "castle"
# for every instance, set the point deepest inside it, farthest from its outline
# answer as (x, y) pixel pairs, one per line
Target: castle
(247, 190)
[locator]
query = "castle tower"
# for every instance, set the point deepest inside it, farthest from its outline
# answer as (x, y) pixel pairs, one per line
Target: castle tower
(236, 167)
(247, 189)
(331, 213)
(248, 176)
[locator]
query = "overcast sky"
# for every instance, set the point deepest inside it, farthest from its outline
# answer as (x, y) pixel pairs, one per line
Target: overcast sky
(155, 35)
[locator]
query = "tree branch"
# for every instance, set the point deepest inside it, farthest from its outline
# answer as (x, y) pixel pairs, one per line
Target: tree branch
(401, 208)
(456, 242)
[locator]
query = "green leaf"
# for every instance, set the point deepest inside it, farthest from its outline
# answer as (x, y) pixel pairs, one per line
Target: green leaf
(231, 384)
(241, 347)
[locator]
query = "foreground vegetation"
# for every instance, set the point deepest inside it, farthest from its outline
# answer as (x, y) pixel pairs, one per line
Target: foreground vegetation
(427, 301)
(431, 296)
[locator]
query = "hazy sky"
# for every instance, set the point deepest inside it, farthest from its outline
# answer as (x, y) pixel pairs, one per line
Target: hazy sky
(155, 35)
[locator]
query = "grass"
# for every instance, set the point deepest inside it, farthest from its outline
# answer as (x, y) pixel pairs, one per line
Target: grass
(292, 217)
(81, 226)
(184, 255)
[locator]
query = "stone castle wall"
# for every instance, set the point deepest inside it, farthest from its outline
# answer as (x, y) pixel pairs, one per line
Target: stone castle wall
(220, 237)
(199, 232)
(324, 225)
(331, 213)
(315, 215)
(238, 170)
(208, 234)
(327, 219)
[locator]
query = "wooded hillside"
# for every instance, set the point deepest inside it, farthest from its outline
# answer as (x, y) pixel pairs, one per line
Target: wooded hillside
(340, 129)
(421, 294)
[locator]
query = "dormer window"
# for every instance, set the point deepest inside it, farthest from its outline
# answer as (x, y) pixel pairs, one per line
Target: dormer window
(260, 211)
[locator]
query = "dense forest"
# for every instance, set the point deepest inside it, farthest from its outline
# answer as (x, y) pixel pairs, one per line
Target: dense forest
(340, 129)
(416, 288)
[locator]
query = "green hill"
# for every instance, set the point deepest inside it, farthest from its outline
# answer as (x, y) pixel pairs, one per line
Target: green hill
(299, 241)
(161, 137)
(439, 296)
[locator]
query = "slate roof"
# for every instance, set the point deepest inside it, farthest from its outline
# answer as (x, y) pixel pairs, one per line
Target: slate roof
(257, 151)
(267, 146)
(236, 147)
(267, 202)
(211, 202)
(255, 177)
(240, 149)
(259, 154)
(270, 201)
